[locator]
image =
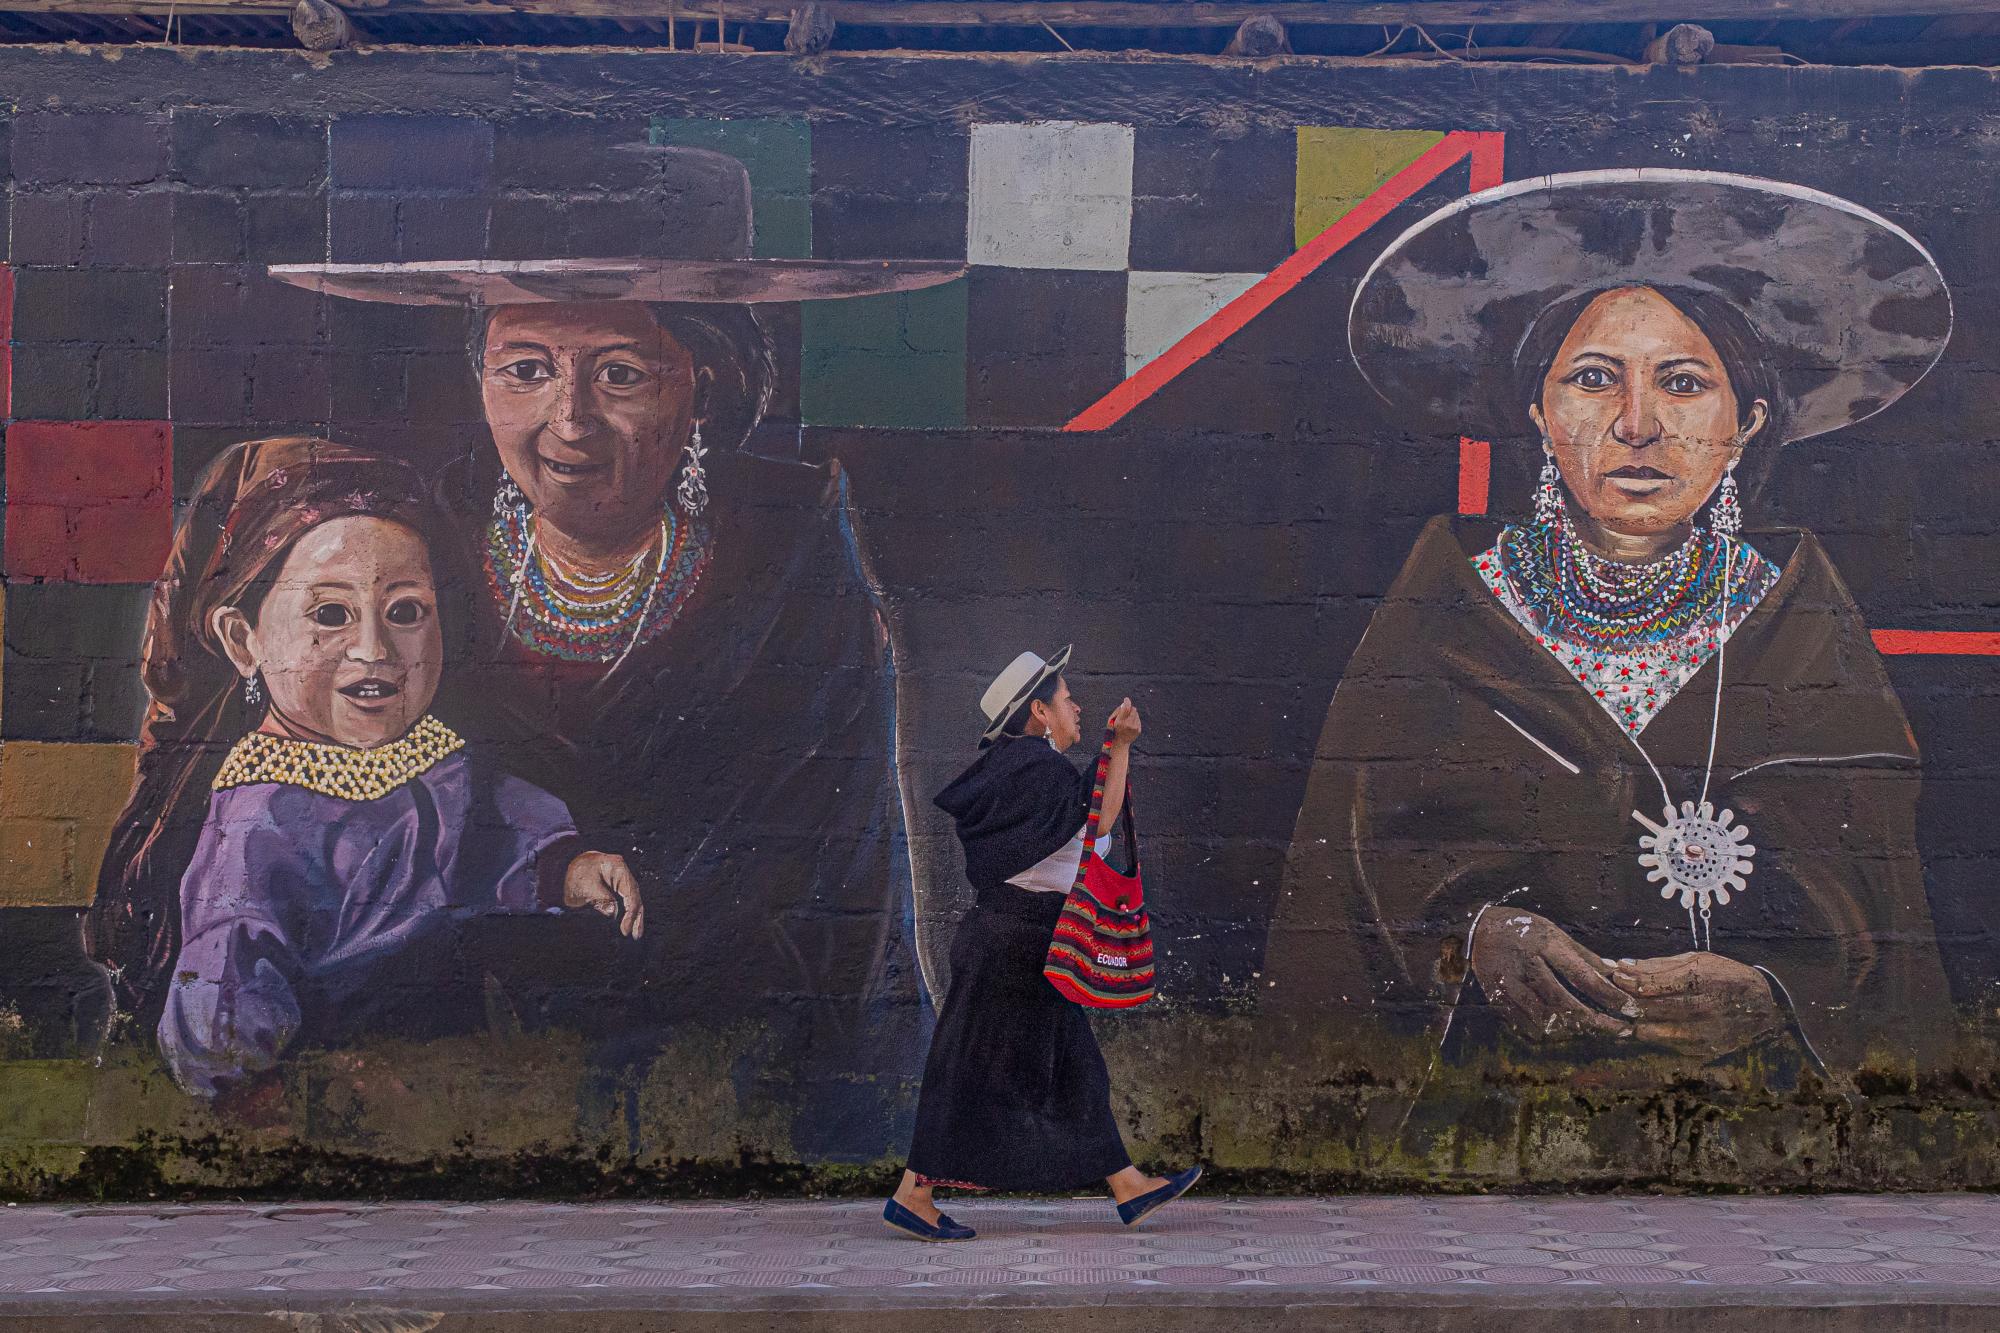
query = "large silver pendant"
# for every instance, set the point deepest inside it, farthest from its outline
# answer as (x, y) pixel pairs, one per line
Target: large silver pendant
(1697, 855)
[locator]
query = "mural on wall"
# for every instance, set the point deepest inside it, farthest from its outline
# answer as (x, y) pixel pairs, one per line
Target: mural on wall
(498, 694)
(672, 636)
(1627, 778)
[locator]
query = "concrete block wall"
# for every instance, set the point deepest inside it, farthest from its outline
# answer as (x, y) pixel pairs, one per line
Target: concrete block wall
(1217, 552)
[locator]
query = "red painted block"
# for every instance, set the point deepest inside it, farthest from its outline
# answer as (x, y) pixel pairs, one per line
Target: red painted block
(1945, 642)
(6, 341)
(89, 501)
(1475, 473)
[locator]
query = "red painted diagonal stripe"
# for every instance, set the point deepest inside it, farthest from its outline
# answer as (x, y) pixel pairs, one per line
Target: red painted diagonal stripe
(1207, 336)
(1946, 642)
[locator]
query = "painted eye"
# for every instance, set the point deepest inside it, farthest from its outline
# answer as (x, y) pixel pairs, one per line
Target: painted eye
(406, 612)
(331, 615)
(1684, 383)
(528, 371)
(619, 375)
(1592, 377)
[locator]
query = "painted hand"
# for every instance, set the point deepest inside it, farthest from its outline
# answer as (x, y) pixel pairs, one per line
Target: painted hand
(1546, 985)
(1125, 726)
(604, 883)
(1700, 1004)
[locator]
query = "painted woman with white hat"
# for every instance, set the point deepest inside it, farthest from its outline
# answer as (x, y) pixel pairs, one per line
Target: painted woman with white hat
(1016, 1096)
(1624, 784)
(676, 634)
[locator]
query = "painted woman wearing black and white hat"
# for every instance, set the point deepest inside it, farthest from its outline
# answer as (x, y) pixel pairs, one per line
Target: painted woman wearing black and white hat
(1625, 780)
(677, 635)
(1016, 1096)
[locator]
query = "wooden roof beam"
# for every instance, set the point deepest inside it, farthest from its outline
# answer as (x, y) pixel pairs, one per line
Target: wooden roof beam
(1089, 13)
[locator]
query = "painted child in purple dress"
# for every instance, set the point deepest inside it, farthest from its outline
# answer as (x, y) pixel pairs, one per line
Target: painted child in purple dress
(294, 646)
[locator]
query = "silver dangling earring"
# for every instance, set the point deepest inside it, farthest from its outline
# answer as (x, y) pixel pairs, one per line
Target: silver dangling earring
(693, 492)
(1550, 512)
(1726, 519)
(509, 499)
(253, 691)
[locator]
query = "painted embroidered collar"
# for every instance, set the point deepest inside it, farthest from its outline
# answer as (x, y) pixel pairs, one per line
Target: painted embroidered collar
(336, 770)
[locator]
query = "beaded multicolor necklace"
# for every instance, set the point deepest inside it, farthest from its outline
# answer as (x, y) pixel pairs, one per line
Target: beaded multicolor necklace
(578, 617)
(1580, 596)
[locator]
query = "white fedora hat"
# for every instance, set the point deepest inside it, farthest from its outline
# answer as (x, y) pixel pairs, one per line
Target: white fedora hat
(1023, 676)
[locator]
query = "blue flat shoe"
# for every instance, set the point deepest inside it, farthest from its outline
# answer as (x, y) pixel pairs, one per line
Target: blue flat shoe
(902, 1219)
(1134, 1211)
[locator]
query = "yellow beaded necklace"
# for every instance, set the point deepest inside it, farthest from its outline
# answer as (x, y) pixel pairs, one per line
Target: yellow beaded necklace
(338, 770)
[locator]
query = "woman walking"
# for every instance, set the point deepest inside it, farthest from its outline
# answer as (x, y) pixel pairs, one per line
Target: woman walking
(1016, 1096)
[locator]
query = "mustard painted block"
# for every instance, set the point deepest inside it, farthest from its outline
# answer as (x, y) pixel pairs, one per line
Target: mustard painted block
(1339, 167)
(34, 858)
(49, 788)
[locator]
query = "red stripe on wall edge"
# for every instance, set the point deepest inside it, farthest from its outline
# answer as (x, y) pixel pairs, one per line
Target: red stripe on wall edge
(1966, 643)
(1210, 333)
(6, 342)
(1475, 471)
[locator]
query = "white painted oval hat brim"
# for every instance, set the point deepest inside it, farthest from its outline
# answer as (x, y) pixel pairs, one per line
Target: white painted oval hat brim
(1852, 307)
(489, 282)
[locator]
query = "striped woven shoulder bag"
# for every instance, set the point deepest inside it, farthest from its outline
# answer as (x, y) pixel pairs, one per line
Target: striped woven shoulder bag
(1102, 953)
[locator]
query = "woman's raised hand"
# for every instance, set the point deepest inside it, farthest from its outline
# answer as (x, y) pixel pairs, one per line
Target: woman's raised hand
(1546, 985)
(604, 883)
(1125, 726)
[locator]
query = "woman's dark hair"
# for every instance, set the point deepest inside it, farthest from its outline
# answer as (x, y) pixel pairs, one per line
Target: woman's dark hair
(1044, 693)
(735, 362)
(1745, 358)
(731, 343)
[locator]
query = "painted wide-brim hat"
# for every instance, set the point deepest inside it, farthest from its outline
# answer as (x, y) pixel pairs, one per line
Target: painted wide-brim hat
(700, 234)
(1851, 309)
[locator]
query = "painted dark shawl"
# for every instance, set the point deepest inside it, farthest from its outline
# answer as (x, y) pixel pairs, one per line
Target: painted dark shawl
(743, 763)
(1019, 802)
(1425, 804)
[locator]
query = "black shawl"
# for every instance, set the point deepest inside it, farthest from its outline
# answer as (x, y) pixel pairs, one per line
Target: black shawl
(1017, 805)
(743, 763)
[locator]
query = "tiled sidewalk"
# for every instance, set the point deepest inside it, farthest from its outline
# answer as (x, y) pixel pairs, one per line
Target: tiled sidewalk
(1920, 1245)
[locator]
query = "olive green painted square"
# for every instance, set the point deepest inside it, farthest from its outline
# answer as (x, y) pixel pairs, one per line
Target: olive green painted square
(43, 1101)
(778, 156)
(895, 360)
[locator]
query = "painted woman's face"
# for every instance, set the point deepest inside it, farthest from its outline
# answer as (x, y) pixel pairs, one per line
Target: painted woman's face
(1641, 413)
(347, 639)
(589, 405)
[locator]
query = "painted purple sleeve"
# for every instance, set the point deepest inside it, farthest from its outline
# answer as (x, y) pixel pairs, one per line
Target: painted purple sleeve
(529, 824)
(232, 1003)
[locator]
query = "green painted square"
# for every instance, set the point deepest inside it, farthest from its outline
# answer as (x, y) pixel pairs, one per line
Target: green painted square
(778, 156)
(43, 1101)
(896, 360)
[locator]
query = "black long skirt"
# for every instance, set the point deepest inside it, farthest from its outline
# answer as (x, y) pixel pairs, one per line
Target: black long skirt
(1015, 1095)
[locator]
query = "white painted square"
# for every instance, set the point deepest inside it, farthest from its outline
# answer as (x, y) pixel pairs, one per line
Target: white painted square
(1163, 308)
(1052, 194)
